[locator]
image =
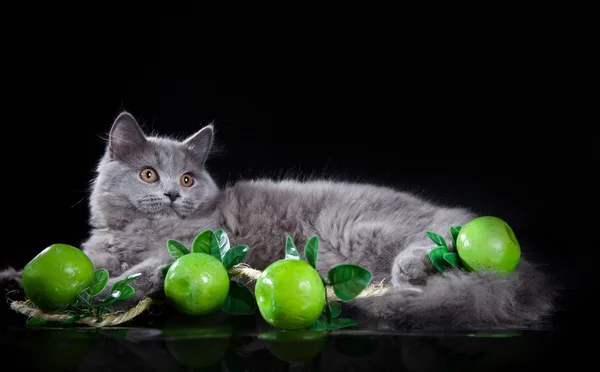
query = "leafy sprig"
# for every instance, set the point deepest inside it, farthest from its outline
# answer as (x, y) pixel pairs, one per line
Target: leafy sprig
(87, 303)
(240, 300)
(346, 280)
(441, 256)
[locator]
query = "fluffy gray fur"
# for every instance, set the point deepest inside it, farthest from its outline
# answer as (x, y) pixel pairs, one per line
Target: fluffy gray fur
(380, 228)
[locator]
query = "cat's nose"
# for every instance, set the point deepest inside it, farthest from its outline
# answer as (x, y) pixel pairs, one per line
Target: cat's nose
(172, 195)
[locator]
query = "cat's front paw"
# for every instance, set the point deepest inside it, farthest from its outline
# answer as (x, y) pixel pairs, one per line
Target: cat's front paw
(412, 266)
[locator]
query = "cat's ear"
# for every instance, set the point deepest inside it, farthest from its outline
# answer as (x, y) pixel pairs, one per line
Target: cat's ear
(125, 136)
(200, 143)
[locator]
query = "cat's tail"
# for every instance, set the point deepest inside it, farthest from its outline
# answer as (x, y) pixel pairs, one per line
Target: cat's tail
(459, 300)
(10, 275)
(10, 282)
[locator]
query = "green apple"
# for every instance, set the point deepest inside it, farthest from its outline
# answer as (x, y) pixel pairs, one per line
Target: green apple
(53, 278)
(197, 284)
(488, 244)
(290, 294)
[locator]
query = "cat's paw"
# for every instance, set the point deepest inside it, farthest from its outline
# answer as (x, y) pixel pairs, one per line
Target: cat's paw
(412, 266)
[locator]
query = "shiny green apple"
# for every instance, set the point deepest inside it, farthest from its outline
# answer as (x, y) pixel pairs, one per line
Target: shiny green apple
(290, 294)
(197, 284)
(53, 278)
(488, 243)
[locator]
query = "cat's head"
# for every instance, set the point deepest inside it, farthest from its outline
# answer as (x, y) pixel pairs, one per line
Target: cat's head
(150, 177)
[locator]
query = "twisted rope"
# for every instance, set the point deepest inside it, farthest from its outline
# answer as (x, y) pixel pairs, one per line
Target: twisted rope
(29, 309)
(241, 270)
(374, 290)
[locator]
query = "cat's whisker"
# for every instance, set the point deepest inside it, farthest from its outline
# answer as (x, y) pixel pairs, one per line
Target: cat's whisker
(80, 200)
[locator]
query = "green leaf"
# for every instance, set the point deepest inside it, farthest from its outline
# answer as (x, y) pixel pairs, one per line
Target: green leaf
(319, 325)
(112, 297)
(166, 268)
(234, 256)
(126, 292)
(311, 251)
(222, 240)
(72, 319)
(290, 249)
(454, 230)
(127, 280)
(349, 280)
(335, 308)
(437, 258)
(99, 282)
(81, 298)
(122, 293)
(437, 239)
(176, 249)
(338, 323)
(215, 251)
(452, 259)
(121, 283)
(35, 322)
(202, 242)
(239, 301)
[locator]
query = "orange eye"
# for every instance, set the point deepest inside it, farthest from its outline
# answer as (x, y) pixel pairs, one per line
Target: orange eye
(149, 175)
(186, 180)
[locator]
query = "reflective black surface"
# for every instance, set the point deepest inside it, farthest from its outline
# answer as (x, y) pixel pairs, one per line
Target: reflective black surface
(134, 349)
(169, 341)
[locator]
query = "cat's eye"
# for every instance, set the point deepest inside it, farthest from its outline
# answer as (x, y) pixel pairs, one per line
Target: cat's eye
(149, 175)
(186, 180)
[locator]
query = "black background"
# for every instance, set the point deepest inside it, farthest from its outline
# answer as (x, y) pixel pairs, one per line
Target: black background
(489, 121)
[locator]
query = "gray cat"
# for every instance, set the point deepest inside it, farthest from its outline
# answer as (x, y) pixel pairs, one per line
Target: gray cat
(149, 189)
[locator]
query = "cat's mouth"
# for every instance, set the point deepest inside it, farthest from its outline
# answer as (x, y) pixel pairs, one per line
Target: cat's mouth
(172, 207)
(155, 207)
(166, 210)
